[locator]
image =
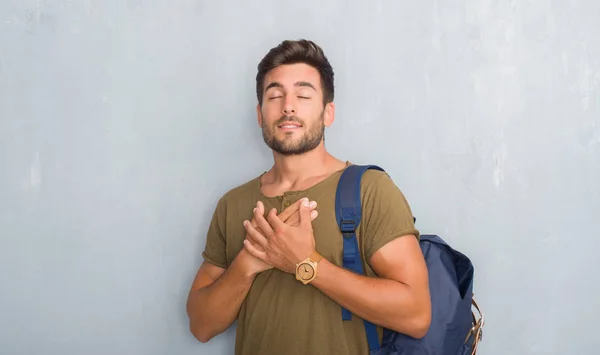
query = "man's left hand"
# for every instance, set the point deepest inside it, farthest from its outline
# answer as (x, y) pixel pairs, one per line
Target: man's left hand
(283, 246)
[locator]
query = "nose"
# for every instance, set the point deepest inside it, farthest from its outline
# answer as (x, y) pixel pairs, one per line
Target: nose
(288, 108)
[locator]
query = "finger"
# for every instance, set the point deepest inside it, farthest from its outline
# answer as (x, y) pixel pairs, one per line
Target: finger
(292, 210)
(289, 211)
(249, 239)
(313, 215)
(267, 230)
(253, 221)
(255, 236)
(261, 207)
(261, 255)
(274, 221)
(258, 240)
(294, 221)
(305, 214)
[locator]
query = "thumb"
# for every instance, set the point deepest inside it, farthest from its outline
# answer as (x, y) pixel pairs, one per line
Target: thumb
(305, 212)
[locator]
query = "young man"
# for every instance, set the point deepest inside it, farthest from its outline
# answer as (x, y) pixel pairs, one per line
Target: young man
(263, 229)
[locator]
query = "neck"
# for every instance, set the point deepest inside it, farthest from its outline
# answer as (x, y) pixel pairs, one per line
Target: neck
(294, 168)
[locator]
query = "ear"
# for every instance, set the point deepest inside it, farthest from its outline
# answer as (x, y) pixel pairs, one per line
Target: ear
(259, 117)
(329, 115)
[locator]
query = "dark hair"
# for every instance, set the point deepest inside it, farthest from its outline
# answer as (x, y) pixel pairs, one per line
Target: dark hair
(292, 52)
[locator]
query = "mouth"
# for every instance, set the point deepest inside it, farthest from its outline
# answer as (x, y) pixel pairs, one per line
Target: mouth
(289, 126)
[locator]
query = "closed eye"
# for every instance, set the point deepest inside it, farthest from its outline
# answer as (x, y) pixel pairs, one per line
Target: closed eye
(275, 97)
(303, 97)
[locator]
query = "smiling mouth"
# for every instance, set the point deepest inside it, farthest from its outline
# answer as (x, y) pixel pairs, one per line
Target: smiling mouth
(289, 126)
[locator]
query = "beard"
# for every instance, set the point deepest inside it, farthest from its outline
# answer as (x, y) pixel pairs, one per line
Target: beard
(288, 146)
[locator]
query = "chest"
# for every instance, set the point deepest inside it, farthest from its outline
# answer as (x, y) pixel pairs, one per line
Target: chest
(328, 238)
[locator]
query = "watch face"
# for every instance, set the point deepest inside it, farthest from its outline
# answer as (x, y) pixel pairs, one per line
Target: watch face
(306, 271)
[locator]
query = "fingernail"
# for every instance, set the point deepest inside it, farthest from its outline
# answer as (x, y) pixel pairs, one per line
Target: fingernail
(254, 210)
(313, 204)
(305, 202)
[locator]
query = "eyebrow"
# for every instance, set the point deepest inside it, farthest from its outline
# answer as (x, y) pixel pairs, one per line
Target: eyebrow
(299, 83)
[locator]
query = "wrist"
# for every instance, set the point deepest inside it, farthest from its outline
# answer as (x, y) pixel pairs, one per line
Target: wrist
(300, 257)
(243, 266)
(307, 269)
(324, 268)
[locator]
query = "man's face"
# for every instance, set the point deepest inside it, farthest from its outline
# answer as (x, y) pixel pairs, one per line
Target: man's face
(292, 116)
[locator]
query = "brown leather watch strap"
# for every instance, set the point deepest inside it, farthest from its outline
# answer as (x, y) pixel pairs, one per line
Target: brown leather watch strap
(316, 257)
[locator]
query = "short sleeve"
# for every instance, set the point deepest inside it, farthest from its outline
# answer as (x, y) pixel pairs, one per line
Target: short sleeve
(386, 214)
(215, 248)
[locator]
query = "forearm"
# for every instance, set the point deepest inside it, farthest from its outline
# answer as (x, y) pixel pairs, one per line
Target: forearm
(385, 302)
(213, 309)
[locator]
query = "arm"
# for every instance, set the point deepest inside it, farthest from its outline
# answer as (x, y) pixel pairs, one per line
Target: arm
(399, 297)
(398, 300)
(217, 295)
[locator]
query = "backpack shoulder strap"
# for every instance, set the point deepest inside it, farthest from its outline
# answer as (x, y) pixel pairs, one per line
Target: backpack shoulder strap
(348, 207)
(348, 212)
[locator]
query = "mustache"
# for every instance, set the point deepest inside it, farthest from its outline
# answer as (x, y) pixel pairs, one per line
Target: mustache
(285, 119)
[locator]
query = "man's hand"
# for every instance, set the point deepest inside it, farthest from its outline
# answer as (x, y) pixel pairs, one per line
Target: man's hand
(283, 246)
(290, 216)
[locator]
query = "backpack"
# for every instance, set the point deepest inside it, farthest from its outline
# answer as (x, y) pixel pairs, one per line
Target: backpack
(454, 329)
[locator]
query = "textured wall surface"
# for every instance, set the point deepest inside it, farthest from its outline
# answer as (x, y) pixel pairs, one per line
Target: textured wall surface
(123, 122)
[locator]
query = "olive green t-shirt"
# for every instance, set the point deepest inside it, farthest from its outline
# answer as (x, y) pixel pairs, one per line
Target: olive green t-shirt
(280, 315)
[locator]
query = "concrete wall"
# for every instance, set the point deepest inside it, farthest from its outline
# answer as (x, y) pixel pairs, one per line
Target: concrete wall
(123, 122)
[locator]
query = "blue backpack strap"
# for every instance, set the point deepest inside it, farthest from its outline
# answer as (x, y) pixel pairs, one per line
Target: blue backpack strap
(348, 212)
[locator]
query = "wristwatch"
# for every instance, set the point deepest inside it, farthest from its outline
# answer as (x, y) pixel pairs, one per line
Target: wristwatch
(306, 270)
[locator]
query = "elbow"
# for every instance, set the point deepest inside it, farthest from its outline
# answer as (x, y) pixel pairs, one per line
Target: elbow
(416, 326)
(202, 338)
(198, 327)
(201, 334)
(420, 324)
(421, 319)
(420, 327)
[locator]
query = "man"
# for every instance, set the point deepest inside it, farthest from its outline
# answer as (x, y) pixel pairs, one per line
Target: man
(263, 229)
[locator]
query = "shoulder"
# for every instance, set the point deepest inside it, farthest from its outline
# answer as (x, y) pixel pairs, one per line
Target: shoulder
(250, 187)
(379, 183)
(386, 213)
(244, 190)
(230, 201)
(373, 176)
(376, 184)
(384, 203)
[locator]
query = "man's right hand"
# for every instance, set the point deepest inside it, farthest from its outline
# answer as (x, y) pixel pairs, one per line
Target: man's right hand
(291, 217)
